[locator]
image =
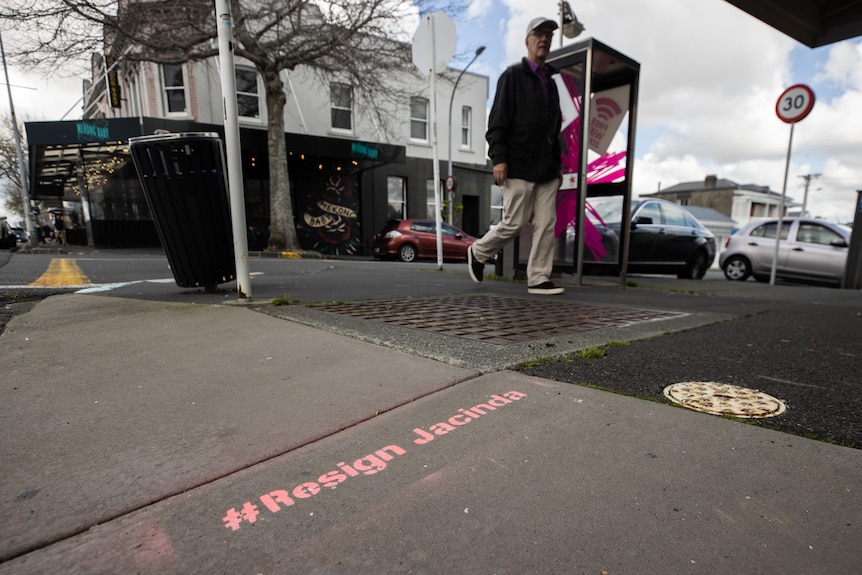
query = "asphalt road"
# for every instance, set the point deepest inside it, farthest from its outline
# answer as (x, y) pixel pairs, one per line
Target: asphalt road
(798, 343)
(809, 356)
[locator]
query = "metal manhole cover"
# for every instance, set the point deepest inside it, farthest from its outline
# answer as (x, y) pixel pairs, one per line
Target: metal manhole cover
(494, 319)
(723, 399)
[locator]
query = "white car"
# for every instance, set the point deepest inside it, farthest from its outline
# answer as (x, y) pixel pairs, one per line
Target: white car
(809, 250)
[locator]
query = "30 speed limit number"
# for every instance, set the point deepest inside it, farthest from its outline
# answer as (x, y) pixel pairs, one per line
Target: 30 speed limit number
(795, 103)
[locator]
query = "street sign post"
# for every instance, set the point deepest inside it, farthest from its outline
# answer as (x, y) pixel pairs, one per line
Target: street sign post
(794, 104)
(450, 183)
(224, 25)
(433, 47)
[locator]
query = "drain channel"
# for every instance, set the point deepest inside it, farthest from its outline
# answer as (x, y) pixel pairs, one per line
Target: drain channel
(495, 319)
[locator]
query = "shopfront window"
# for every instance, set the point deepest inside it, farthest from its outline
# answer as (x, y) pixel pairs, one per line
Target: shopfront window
(496, 205)
(397, 194)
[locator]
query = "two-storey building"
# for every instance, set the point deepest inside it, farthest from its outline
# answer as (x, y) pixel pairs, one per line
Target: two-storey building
(336, 152)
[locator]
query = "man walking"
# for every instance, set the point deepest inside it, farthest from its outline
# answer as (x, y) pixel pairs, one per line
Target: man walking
(523, 138)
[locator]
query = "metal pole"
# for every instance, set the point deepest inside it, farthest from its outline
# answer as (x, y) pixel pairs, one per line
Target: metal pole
(479, 51)
(805, 197)
(32, 236)
(232, 143)
(781, 209)
(438, 219)
(583, 167)
(853, 268)
(562, 21)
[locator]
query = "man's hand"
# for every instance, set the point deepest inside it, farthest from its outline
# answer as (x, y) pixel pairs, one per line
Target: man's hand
(501, 170)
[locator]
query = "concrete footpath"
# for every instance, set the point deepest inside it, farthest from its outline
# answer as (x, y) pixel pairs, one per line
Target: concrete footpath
(147, 435)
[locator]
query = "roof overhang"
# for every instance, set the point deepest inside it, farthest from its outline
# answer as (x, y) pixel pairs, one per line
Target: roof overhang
(814, 23)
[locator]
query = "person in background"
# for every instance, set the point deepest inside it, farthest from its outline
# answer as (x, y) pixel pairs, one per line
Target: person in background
(60, 227)
(524, 146)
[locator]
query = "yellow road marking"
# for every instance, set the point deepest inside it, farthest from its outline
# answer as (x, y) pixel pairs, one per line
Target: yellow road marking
(62, 272)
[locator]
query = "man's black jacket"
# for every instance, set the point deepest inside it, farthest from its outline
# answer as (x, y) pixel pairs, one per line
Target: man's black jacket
(523, 130)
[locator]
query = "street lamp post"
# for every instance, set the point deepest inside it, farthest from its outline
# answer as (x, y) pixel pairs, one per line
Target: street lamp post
(451, 193)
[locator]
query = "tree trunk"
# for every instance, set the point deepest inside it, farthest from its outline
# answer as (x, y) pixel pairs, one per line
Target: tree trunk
(282, 229)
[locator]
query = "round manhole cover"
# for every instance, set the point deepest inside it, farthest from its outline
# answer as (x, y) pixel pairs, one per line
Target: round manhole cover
(722, 399)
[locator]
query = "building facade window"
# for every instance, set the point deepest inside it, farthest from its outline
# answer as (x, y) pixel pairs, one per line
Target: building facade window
(419, 119)
(174, 86)
(396, 189)
(341, 98)
(247, 96)
(466, 127)
(133, 94)
(431, 203)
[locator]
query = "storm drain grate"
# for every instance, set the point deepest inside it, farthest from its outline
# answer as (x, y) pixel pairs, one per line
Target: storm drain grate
(723, 399)
(494, 319)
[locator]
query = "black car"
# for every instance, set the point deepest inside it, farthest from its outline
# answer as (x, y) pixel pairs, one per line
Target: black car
(664, 238)
(21, 234)
(8, 238)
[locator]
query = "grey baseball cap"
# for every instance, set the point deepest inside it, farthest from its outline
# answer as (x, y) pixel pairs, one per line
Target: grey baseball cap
(536, 22)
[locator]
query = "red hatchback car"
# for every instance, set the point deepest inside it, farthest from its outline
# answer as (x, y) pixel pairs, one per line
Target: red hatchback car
(409, 240)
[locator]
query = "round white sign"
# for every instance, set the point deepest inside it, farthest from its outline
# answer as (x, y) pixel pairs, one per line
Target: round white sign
(795, 103)
(434, 39)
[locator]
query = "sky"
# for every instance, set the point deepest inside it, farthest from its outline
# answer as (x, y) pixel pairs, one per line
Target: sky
(709, 82)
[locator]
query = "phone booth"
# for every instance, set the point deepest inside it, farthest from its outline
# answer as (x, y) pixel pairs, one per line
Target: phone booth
(598, 156)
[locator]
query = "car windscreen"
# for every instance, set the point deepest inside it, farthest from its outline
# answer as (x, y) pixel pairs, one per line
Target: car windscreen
(389, 226)
(605, 210)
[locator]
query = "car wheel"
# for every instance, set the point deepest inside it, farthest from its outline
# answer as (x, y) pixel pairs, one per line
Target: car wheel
(737, 268)
(407, 253)
(695, 269)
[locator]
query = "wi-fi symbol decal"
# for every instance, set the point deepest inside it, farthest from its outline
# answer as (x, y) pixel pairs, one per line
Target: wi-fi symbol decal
(607, 108)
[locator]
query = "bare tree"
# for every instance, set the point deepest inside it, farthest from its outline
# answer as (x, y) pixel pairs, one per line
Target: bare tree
(353, 40)
(10, 172)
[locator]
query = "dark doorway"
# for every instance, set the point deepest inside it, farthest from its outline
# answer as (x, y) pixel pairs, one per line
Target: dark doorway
(470, 215)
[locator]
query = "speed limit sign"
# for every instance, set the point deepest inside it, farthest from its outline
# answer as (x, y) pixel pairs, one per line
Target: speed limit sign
(795, 103)
(450, 183)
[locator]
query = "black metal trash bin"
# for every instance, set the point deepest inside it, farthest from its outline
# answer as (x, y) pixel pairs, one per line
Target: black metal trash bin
(184, 181)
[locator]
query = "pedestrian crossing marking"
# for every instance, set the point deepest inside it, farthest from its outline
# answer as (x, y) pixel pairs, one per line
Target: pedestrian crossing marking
(62, 272)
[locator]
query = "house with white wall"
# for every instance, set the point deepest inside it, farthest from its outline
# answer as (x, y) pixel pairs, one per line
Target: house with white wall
(335, 146)
(723, 205)
(740, 202)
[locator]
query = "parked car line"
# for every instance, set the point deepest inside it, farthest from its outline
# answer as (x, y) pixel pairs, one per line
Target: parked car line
(409, 240)
(809, 250)
(664, 238)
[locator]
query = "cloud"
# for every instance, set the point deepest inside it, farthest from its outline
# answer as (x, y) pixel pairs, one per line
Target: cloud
(478, 8)
(710, 77)
(844, 66)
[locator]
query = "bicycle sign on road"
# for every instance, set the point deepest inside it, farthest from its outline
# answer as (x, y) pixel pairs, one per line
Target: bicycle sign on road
(795, 103)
